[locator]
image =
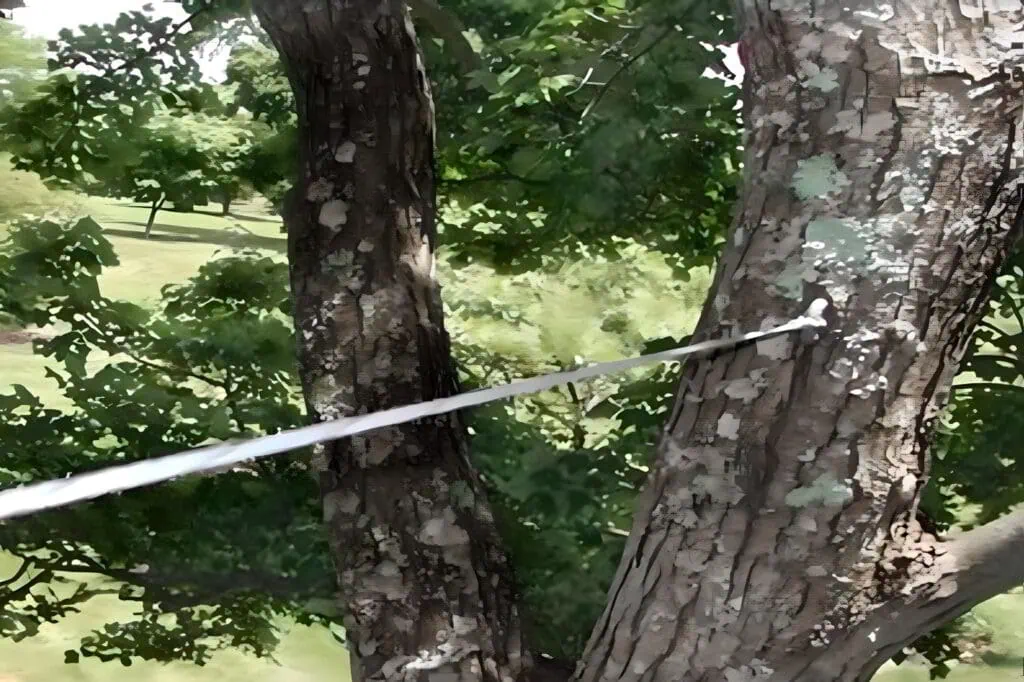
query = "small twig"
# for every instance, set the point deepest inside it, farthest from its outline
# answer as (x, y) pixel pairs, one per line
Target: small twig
(623, 68)
(149, 363)
(187, 21)
(492, 177)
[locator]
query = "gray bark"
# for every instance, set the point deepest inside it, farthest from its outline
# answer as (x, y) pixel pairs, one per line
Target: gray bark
(777, 537)
(428, 589)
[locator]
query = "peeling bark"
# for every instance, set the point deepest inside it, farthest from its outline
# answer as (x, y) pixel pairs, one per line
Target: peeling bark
(776, 539)
(428, 590)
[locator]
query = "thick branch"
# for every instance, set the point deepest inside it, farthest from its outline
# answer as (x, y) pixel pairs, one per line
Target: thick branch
(973, 567)
(407, 517)
(988, 558)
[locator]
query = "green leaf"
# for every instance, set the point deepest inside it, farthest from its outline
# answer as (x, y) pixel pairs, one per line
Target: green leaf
(482, 78)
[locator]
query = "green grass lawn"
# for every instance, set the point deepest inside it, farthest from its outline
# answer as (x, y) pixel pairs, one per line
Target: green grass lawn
(181, 243)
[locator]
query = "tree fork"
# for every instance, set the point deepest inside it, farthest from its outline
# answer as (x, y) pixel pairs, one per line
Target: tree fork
(776, 538)
(428, 590)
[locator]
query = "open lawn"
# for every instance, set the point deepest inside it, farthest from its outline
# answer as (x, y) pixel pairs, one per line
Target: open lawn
(181, 243)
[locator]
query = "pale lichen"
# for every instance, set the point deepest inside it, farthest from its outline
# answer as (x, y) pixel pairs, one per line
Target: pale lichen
(346, 152)
(825, 490)
(333, 214)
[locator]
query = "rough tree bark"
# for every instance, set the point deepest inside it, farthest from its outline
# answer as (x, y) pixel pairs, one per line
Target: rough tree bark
(776, 539)
(427, 588)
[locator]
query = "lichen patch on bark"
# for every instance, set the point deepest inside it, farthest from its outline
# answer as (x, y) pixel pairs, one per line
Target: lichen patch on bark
(880, 178)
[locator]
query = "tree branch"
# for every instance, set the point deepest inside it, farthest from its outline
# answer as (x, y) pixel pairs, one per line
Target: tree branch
(128, 64)
(489, 177)
(969, 569)
(450, 29)
(9, 597)
(22, 570)
(988, 558)
(625, 67)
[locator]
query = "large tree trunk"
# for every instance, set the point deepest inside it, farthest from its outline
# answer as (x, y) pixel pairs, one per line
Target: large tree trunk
(427, 588)
(776, 539)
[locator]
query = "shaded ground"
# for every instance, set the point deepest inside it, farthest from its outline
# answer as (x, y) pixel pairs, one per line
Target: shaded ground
(166, 232)
(9, 336)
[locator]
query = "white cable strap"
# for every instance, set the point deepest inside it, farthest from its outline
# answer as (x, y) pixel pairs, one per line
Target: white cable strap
(35, 497)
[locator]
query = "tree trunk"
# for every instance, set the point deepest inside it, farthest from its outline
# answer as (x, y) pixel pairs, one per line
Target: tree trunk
(154, 209)
(225, 204)
(776, 538)
(427, 588)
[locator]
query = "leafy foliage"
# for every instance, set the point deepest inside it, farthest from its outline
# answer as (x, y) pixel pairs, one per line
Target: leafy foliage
(182, 159)
(216, 361)
(22, 63)
(534, 158)
(592, 123)
(103, 83)
(982, 461)
(171, 379)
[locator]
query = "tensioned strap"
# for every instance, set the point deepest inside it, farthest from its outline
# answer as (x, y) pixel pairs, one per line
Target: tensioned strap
(75, 488)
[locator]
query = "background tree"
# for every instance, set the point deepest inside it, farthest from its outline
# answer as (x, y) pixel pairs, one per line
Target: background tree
(184, 160)
(22, 63)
